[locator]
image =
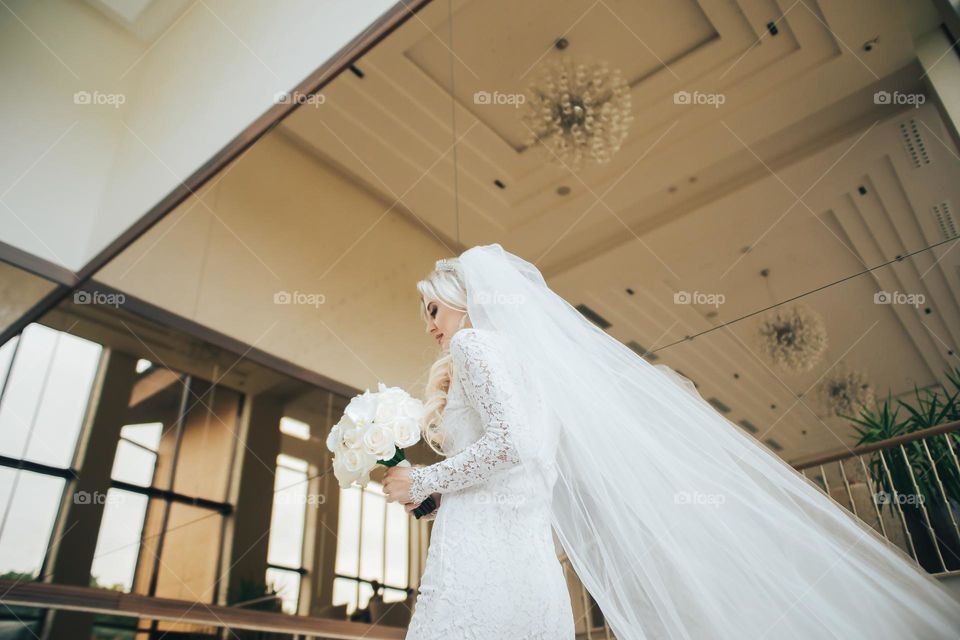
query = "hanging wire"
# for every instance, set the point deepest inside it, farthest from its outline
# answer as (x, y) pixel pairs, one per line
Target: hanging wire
(807, 293)
(453, 124)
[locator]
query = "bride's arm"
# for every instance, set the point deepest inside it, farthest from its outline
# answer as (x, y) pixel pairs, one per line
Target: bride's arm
(490, 389)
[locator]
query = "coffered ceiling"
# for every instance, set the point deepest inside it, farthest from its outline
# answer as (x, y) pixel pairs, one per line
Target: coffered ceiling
(801, 172)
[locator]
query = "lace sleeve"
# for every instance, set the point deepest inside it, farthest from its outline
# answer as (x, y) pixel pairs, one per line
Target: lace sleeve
(489, 389)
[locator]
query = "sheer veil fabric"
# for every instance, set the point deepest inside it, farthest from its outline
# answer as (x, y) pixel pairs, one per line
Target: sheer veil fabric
(678, 523)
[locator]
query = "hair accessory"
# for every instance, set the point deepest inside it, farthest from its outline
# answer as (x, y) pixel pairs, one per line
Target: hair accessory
(445, 265)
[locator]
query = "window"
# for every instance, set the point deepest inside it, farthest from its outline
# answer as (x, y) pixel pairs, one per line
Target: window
(124, 512)
(295, 428)
(45, 382)
(372, 547)
(287, 526)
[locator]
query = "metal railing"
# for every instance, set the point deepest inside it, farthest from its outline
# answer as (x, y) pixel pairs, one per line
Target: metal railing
(907, 488)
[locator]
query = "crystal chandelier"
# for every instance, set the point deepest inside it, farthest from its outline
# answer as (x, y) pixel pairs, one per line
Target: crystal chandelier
(579, 111)
(793, 338)
(845, 391)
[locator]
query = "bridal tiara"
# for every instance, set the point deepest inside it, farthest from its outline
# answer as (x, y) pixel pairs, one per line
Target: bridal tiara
(445, 265)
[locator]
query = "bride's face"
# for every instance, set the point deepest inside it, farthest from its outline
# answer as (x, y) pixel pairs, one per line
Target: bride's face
(442, 321)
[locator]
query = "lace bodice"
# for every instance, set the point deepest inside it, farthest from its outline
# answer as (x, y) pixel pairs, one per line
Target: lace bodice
(481, 369)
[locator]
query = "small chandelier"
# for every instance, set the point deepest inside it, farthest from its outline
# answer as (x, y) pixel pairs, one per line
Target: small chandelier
(580, 111)
(845, 391)
(793, 339)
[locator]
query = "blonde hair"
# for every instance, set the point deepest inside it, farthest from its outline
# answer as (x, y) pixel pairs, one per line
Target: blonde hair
(447, 287)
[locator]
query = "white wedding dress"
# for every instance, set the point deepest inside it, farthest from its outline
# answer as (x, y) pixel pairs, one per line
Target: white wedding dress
(492, 571)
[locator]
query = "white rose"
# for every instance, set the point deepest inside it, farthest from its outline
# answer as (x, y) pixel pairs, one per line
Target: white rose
(352, 465)
(334, 439)
(406, 432)
(362, 408)
(378, 441)
(352, 437)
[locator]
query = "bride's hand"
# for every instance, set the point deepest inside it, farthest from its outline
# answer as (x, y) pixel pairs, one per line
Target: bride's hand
(396, 484)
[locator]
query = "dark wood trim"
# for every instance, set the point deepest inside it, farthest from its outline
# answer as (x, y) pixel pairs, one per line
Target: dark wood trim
(72, 598)
(239, 348)
(843, 454)
(36, 265)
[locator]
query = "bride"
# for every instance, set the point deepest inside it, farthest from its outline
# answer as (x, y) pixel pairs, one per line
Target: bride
(678, 523)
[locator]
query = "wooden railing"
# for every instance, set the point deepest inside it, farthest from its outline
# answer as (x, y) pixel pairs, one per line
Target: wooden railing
(57, 596)
(905, 487)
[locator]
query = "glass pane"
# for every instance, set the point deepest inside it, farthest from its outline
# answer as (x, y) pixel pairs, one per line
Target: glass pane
(295, 428)
(190, 550)
(64, 402)
(133, 464)
(118, 544)
(146, 435)
(24, 388)
(348, 532)
(345, 592)
(287, 583)
(287, 521)
(46, 396)
(33, 500)
(208, 442)
(371, 559)
(290, 462)
(397, 535)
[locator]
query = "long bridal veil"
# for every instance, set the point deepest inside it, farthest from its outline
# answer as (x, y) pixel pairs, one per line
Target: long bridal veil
(678, 523)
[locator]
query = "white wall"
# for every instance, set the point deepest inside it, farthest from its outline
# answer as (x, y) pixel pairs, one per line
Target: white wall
(278, 221)
(75, 176)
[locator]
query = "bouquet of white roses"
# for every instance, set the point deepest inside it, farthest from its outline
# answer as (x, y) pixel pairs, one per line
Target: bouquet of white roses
(375, 429)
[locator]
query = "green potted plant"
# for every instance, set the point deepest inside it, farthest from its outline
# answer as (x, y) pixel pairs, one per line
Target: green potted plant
(927, 409)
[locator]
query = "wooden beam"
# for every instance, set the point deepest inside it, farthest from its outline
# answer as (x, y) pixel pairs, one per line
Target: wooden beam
(56, 596)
